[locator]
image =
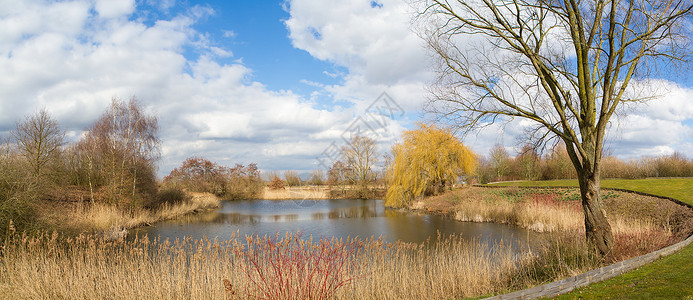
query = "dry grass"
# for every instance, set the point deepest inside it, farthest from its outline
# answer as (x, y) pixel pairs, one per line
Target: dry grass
(113, 222)
(297, 192)
(640, 224)
(49, 267)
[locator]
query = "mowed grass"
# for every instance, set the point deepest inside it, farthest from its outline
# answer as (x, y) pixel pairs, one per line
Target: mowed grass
(677, 188)
(668, 278)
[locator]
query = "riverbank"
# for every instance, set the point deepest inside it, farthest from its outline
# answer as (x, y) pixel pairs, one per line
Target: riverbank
(640, 224)
(322, 192)
(113, 223)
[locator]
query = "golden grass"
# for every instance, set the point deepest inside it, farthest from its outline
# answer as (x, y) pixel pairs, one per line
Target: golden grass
(48, 267)
(113, 222)
(297, 193)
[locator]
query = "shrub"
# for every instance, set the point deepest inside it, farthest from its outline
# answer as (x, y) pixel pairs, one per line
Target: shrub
(169, 195)
(276, 183)
(293, 268)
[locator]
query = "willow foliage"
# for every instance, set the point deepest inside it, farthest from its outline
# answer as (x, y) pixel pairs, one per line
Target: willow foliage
(428, 160)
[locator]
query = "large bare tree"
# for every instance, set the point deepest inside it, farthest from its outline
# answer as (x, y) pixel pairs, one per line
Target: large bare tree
(566, 65)
(38, 137)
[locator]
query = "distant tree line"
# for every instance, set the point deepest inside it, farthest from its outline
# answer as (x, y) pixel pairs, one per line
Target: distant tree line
(197, 174)
(527, 164)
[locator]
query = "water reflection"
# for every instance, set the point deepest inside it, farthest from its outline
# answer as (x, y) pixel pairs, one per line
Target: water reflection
(328, 218)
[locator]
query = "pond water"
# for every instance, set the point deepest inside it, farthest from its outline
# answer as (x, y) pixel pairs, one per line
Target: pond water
(328, 218)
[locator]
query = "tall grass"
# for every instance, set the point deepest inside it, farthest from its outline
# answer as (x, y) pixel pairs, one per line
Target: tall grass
(49, 267)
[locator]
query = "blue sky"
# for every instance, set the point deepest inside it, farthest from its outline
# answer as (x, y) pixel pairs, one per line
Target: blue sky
(272, 82)
(256, 35)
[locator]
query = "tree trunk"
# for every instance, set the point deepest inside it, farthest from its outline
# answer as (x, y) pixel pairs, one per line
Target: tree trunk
(597, 228)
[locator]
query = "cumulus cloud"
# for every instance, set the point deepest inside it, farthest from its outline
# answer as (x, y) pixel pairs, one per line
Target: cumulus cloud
(374, 42)
(72, 57)
(378, 48)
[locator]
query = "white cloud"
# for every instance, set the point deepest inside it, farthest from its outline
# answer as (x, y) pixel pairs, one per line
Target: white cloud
(75, 63)
(72, 57)
(114, 8)
(376, 44)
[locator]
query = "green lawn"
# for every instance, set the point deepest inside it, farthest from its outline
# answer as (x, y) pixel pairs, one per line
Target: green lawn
(668, 278)
(677, 188)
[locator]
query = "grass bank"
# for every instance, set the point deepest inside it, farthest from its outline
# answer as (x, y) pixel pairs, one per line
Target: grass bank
(641, 224)
(677, 188)
(667, 278)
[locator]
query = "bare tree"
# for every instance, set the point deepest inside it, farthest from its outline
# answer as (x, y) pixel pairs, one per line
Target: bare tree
(291, 177)
(527, 163)
(565, 65)
(38, 137)
(360, 157)
(500, 160)
(120, 144)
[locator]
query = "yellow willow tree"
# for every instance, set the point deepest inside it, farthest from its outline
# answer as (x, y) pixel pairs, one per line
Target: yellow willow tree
(425, 163)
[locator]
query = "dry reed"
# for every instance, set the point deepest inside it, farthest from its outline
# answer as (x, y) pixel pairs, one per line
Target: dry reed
(113, 222)
(48, 267)
(293, 193)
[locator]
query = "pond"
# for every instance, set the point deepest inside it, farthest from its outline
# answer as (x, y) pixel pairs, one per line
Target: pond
(328, 218)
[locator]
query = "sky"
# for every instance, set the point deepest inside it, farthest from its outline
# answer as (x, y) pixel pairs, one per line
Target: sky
(278, 83)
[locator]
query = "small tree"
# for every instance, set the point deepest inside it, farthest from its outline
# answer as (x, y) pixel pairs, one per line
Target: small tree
(276, 183)
(527, 162)
(197, 174)
(336, 176)
(429, 160)
(38, 137)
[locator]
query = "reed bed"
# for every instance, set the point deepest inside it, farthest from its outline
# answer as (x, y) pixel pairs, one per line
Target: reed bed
(113, 223)
(87, 267)
(297, 193)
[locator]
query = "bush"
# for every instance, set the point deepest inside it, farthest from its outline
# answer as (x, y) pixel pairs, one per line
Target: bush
(292, 268)
(170, 196)
(17, 215)
(200, 175)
